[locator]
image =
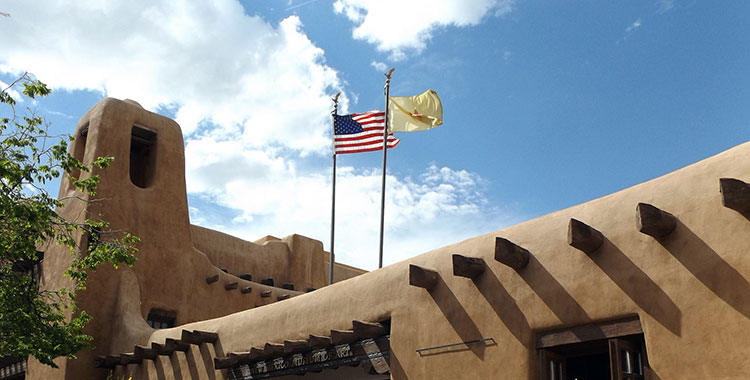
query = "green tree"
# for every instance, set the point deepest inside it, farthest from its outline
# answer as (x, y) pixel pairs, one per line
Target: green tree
(44, 323)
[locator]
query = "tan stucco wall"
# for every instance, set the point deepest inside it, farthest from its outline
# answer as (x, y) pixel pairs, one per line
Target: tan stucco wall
(690, 289)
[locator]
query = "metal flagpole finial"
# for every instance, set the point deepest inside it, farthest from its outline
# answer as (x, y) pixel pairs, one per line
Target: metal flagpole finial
(388, 78)
(335, 100)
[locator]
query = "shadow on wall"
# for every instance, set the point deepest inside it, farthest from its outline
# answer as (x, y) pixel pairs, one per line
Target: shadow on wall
(638, 286)
(457, 316)
(565, 307)
(709, 268)
(505, 307)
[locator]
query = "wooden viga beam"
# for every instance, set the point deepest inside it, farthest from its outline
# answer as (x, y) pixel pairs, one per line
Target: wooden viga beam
(422, 277)
(145, 352)
(172, 345)
(735, 194)
(364, 330)
(510, 254)
(343, 336)
(295, 346)
(198, 337)
(106, 361)
(224, 363)
(652, 221)
(317, 341)
(584, 237)
(470, 267)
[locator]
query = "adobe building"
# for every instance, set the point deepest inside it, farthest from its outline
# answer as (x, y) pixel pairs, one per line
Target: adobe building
(647, 283)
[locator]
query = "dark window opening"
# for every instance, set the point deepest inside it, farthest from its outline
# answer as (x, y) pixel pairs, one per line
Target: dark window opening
(610, 350)
(161, 319)
(79, 148)
(142, 156)
(32, 267)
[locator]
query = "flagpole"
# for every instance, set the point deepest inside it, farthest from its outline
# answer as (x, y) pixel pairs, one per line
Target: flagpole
(333, 183)
(387, 91)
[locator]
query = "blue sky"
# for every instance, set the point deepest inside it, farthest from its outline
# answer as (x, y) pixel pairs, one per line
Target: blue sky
(547, 104)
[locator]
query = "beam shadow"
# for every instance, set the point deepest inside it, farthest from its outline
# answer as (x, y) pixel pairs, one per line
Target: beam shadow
(554, 295)
(176, 367)
(159, 367)
(505, 307)
(638, 286)
(709, 268)
(457, 316)
(397, 371)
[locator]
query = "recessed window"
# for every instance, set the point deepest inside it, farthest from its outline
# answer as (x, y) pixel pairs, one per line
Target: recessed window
(142, 156)
(161, 319)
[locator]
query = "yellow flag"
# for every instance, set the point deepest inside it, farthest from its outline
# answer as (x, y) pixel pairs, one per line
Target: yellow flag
(414, 113)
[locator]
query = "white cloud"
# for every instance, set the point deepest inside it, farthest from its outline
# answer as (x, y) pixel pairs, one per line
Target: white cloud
(634, 26)
(207, 61)
(399, 27)
(253, 100)
(379, 66)
(439, 207)
(664, 6)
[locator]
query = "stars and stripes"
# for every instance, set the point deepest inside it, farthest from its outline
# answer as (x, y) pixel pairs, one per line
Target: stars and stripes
(360, 132)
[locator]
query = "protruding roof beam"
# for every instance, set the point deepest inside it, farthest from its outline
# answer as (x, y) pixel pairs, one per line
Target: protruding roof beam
(272, 349)
(735, 194)
(241, 357)
(198, 337)
(342, 336)
(470, 267)
(212, 279)
(511, 254)
(282, 297)
(172, 345)
(294, 346)
(265, 293)
(267, 281)
(584, 237)
(365, 330)
(106, 361)
(128, 358)
(145, 352)
(422, 277)
(246, 289)
(317, 341)
(246, 276)
(652, 221)
(288, 285)
(230, 285)
(224, 363)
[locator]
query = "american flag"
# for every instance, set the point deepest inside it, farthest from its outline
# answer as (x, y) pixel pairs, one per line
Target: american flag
(360, 132)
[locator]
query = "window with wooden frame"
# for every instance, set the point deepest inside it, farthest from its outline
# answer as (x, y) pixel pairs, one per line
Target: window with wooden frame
(612, 350)
(161, 319)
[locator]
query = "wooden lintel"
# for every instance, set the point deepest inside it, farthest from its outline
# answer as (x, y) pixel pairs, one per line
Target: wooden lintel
(246, 289)
(265, 293)
(282, 297)
(212, 279)
(288, 286)
(735, 194)
(199, 337)
(653, 221)
(511, 254)
(246, 276)
(365, 330)
(145, 352)
(267, 281)
(596, 331)
(294, 346)
(584, 237)
(422, 277)
(231, 285)
(172, 345)
(470, 267)
(224, 363)
(317, 341)
(342, 336)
